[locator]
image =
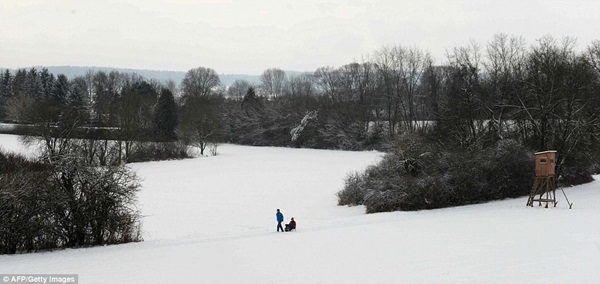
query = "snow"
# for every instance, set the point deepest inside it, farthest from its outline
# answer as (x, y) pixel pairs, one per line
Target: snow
(212, 220)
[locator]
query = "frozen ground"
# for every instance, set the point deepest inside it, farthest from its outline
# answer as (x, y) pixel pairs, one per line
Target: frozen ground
(212, 220)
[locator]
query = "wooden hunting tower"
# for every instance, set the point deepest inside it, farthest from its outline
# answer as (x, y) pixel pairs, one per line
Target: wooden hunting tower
(545, 179)
(545, 162)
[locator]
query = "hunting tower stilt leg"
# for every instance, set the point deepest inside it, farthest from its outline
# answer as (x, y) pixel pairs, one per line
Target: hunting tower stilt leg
(545, 189)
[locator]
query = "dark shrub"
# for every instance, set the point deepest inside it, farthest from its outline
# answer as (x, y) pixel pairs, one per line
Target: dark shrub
(158, 151)
(422, 175)
(65, 202)
(576, 169)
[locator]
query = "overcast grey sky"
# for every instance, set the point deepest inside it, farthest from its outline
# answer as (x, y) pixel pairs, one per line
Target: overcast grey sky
(246, 36)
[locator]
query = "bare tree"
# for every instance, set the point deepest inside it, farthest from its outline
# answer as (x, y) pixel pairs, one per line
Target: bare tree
(360, 87)
(300, 85)
(238, 89)
(416, 62)
(434, 87)
(593, 55)
(389, 62)
(558, 101)
(134, 114)
(172, 87)
(105, 92)
(504, 69)
(463, 107)
(200, 122)
(328, 80)
(200, 82)
(273, 81)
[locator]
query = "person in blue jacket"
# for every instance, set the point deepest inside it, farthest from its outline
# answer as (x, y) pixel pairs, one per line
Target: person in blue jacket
(279, 216)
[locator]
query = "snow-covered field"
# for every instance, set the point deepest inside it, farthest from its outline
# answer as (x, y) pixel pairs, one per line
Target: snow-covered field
(212, 220)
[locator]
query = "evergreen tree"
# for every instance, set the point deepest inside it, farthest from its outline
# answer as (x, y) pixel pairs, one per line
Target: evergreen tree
(251, 103)
(5, 93)
(77, 95)
(5, 83)
(60, 90)
(165, 116)
(18, 82)
(33, 84)
(47, 83)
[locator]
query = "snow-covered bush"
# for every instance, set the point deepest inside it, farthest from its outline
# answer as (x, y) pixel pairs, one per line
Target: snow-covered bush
(578, 169)
(354, 192)
(63, 201)
(158, 151)
(423, 175)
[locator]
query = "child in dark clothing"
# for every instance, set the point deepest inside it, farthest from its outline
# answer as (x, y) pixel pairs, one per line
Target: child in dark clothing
(291, 225)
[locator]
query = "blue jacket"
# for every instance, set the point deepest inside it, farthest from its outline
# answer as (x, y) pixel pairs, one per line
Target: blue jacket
(279, 217)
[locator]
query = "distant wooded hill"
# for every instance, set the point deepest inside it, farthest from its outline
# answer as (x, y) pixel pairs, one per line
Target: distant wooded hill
(162, 76)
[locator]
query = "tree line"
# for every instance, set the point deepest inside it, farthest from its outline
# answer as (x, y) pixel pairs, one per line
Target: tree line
(543, 95)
